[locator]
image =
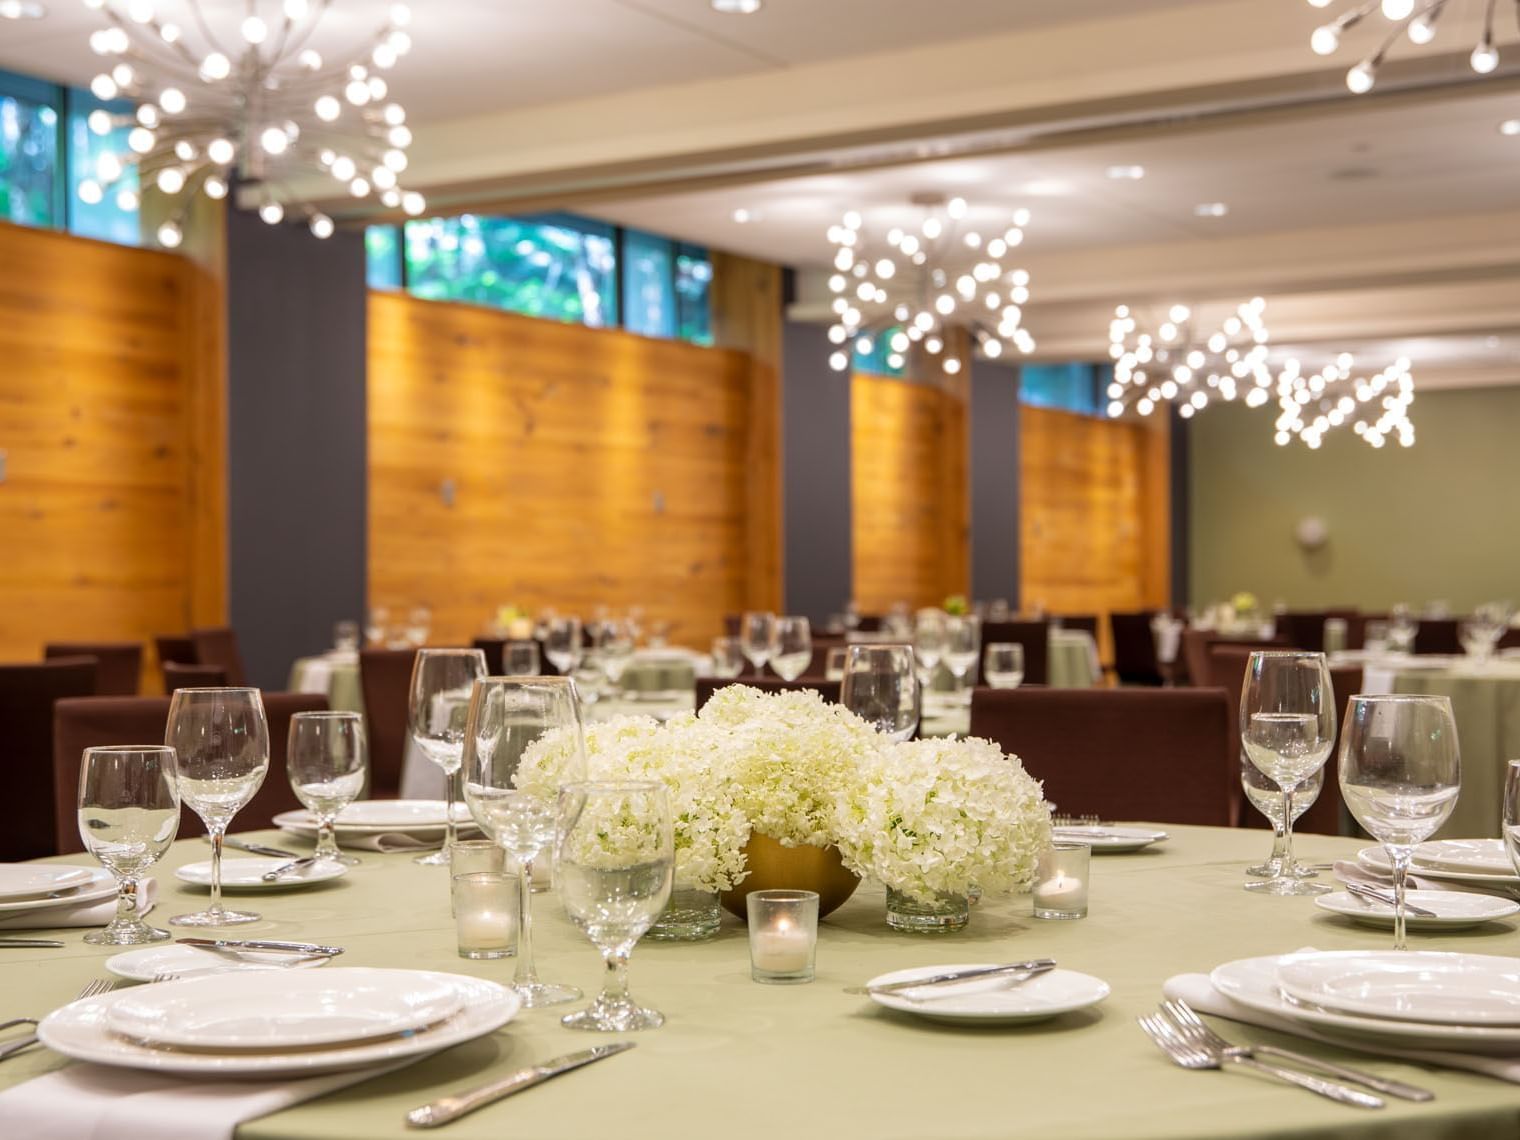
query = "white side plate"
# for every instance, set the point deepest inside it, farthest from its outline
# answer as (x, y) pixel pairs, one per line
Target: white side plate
(1454, 909)
(248, 874)
(992, 1001)
(20, 882)
(187, 962)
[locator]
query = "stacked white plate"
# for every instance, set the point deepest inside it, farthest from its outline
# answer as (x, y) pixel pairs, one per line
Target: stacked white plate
(36, 887)
(1108, 839)
(1482, 863)
(1411, 999)
(991, 1001)
(248, 874)
(422, 820)
(279, 1023)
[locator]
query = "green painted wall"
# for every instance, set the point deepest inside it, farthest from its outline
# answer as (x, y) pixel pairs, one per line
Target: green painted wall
(1440, 519)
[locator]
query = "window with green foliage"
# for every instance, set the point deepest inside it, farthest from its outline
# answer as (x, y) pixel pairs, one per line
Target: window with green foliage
(382, 250)
(649, 285)
(30, 187)
(879, 359)
(693, 294)
(115, 216)
(1070, 387)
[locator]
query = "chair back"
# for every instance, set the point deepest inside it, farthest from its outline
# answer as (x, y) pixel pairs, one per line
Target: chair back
(27, 695)
(1198, 644)
(707, 686)
(220, 647)
(1437, 635)
(1088, 623)
(1166, 755)
(177, 676)
(1135, 660)
(1303, 629)
(386, 677)
(118, 664)
(1034, 636)
(493, 648)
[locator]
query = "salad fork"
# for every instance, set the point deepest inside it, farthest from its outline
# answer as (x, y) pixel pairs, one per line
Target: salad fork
(93, 988)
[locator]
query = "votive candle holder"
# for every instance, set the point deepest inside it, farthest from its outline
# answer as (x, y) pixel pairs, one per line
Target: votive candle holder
(783, 935)
(486, 914)
(473, 856)
(1060, 881)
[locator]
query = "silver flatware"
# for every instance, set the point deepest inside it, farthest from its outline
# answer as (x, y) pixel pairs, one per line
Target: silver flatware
(1190, 1055)
(33, 943)
(1035, 966)
(236, 946)
(93, 988)
(452, 1107)
(1193, 1027)
(1377, 894)
(259, 849)
(285, 868)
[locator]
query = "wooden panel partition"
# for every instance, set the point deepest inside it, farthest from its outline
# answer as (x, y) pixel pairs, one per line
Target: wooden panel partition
(515, 460)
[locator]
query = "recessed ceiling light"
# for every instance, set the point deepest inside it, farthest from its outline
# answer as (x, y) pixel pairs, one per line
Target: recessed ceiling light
(1122, 173)
(741, 215)
(21, 10)
(737, 7)
(1211, 209)
(1510, 127)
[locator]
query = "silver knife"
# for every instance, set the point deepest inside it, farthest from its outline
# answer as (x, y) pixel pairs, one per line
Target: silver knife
(1036, 966)
(452, 1107)
(236, 946)
(259, 849)
(34, 943)
(286, 868)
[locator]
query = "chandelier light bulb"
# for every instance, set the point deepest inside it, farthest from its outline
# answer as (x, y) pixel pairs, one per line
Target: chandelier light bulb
(377, 88)
(952, 365)
(148, 116)
(413, 203)
(384, 178)
(90, 191)
(384, 56)
(395, 114)
(310, 60)
(932, 228)
(123, 74)
(396, 160)
(357, 92)
(399, 42)
(273, 140)
(216, 66)
(838, 361)
(108, 167)
(1325, 39)
(185, 151)
(172, 101)
(400, 136)
(343, 168)
(127, 199)
(140, 140)
(401, 15)
(272, 213)
(169, 33)
(214, 187)
(296, 9)
(171, 180)
(327, 108)
(99, 122)
(220, 151)
(254, 30)
(1485, 57)
(169, 235)
(103, 87)
(1397, 10)
(359, 188)
(321, 226)
(140, 12)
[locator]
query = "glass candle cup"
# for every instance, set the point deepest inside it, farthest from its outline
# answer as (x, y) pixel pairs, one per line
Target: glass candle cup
(783, 935)
(1060, 881)
(474, 856)
(485, 914)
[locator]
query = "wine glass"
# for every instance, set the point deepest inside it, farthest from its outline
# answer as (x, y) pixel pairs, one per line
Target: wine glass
(1005, 664)
(523, 740)
(128, 815)
(220, 739)
(614, 869)
(793, 648)
(881, 687)
(1267, 798)
(614, 644)
(727, 657)
(327, 760)
(377, 628)
(1402, 627)
(1287, 728)
(1401, 771)
(439, 706)
(563, 644)
(520, 659)
(834, 662)
(757, 637)
(419, 623)
(1511, 812)
(928, 642)
(963, 646)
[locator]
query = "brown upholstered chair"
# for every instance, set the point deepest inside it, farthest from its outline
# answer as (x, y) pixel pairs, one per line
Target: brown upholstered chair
(495, 649)
(118, 664)
(1034, 636)
(220, 647)
(1303, 629)
(176, 648)
(1135, 660)
(1510, 638)
(1164, 755)
(1088, 623)
(707, 686)
(1196, 645)
(178, 676)
(386, 677)
(27, 694)
(1437, 635)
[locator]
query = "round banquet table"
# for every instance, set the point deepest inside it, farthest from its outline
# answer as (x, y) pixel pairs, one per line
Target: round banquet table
(1073, 659)
(332, 675)
(754, 1062)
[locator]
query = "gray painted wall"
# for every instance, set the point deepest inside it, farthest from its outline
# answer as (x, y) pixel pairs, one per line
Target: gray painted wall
(995, 481)
(296, 426)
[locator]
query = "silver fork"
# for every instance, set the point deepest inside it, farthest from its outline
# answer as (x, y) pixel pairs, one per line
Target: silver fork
(93, 988)
(1192, 1056)
(1193, 1028)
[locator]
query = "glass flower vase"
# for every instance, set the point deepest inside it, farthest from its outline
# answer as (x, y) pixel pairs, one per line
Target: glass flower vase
(944, 914)
(692, 915)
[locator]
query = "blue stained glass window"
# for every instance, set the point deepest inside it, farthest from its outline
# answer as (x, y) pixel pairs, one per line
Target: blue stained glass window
(649, 295)
(382, 252)
(693, 294)
(29, 161)
(110, 219)
(1070, 387)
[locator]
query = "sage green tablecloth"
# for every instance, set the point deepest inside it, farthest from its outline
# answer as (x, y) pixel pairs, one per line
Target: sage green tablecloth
(1073, 659)
(744, 1061)
(337, 680)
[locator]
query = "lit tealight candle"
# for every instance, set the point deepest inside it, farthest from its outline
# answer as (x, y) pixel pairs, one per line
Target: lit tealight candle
(1060, 885)
(783, 931)
(781, 950)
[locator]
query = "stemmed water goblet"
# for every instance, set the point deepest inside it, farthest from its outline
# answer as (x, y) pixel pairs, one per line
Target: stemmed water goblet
(881, 687)
(1511, 812)
(327, 760)
(220, 739)
(757, 637)
(523, 741)
(563, 644)
(928, 643)
(1005, 664)
(614, 646)
(614, 870)
(963, 647)
(520, 659)
(128, 814)
(442, 681)
(1401, 772)
(793, 647)
(727, 657)
(1267, 798)
(1287, 729)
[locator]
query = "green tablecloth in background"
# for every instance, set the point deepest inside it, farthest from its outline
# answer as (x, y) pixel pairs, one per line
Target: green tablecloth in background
(341, 687)
(1073, 659)
(744, 1061)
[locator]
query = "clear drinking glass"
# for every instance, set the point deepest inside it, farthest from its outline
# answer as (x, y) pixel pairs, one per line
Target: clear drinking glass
(727, 657)
(757, 637)
(327, 759)
(377, 628)
(928, 640)
(439, 706)
(563, 644)
(614, 646)
(1401, 771)
(419, 623)
(614, 871)
(1005, 664)
(834, 661)
(524, 739)
(963, 646)
(1287, 728)
(346, 636)
(1402, 626)
(793, 647)
(220, 739)
(1511, 812)
(1267, 798)
(520, 659)
(881, 687)
(128, 814)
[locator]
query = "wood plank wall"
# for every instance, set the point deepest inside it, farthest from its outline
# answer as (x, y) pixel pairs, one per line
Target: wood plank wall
(587, 467)
(104, 392)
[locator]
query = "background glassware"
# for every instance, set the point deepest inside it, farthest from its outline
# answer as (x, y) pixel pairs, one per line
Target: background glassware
(1375, 638)
(485, 913)
(614, 889)
(128, 814)
(220, 739)
(1287, 728)
(508, 716)
(472, 856)
(757, 637)
(834, 661)
(1402, 626)
(419, 623)
(436, 715)
(1511, 812)
(928, 643)
(520, 659)
(614, 645)
(727, 657)
(377, 628)
(793, 648)
(881, 687)
(563, 643)
(1267, 798)
(1005, 664)
(327, 760)
(963, 646)
(1401, 771)
(346, 636)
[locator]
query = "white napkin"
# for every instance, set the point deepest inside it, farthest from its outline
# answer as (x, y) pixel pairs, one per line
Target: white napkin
(1356, 873)
(1199, 992)
(388, 842)
(65, 913)
(98, 1102)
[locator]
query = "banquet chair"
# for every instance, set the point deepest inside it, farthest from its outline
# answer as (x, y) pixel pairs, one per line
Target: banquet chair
(1135, 660)
(707, 686)
(1438, 635)
(92, 722)
(495, 650)
(1510, 638)
(118, 664)
(1166, 756)
(1303, 629)
(178, 676)
(1087, 623)
(1196, 646)
(172, 647)
(27, 695)
(1034, 636)
(220, 647)
(386, 678)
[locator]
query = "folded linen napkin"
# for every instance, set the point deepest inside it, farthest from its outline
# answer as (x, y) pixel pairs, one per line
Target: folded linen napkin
(65, 913)
(1199, 992)
(1356, 873)
(98, 1102)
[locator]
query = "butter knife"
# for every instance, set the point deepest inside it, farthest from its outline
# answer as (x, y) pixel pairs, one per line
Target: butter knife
(235, 946)
(1036, 966)
(1377, 894)
(452, 1107)
(259, 849)
(33, 943)
(286, 868)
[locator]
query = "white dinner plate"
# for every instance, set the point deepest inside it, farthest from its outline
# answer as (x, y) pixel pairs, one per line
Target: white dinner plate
(79, 1030)
(1106, 840)
(187, 962)
(99, 884)
(1455, 910)
(1376, 859)
(1470, 856)
(1422, 985)
(255, 1010)
(1253, 983)
(378, 817)
(248, 874)
(22, 882)
(992, 1001)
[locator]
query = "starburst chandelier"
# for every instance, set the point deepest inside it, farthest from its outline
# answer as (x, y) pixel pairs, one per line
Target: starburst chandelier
(914, 285)
(1376, 405)
(261, 112)
(1415, 20)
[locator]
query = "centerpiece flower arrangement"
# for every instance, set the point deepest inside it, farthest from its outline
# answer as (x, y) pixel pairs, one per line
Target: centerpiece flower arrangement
(932, 820)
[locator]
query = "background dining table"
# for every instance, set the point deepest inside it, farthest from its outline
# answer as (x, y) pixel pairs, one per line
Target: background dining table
(757, 1062)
